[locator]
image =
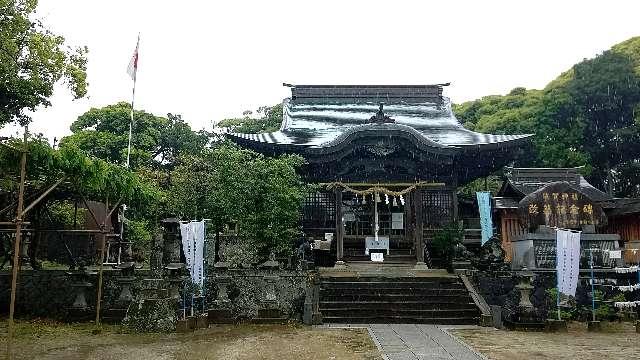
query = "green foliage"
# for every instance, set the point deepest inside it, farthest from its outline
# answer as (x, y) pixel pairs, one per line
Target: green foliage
(567, 312)
(62, 215)
(445, 241)
(32, 61)
(138, 232)
(270, 120)
(490, 183)
(604, 311)
(228, 184)
(94, 178)
(585, 117)
(156, 141)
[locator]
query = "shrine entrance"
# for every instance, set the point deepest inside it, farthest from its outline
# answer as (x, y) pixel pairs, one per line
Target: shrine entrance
(362, 214)
(350, 221)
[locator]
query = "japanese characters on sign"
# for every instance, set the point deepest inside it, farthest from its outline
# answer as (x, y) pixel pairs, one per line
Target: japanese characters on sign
(560, 205)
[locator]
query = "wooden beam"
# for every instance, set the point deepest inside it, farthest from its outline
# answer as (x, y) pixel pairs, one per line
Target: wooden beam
(42, 196)
(103, 231)
(63, 231)
(12, 205)
(339, 226)
(419, 227)
(435, 184)
(100, 273)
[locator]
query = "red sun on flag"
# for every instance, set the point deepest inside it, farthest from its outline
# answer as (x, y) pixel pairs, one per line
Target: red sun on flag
(132, 69)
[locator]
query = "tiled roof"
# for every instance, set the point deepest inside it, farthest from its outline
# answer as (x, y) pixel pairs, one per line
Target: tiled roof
(527, 180)
(317, 116)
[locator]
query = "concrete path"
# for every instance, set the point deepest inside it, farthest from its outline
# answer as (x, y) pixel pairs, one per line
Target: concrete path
(418, 342)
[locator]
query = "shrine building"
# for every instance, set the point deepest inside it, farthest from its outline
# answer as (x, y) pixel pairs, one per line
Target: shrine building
(388, 160)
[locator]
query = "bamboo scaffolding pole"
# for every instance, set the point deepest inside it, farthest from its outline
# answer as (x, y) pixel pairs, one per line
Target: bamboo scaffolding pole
(103, 232)
(62, 231)
(16, 248)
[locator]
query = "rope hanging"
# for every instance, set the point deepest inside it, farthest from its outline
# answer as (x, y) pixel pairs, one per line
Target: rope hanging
(376, 189)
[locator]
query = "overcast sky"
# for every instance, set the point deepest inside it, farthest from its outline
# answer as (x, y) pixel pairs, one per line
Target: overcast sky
(209, 60)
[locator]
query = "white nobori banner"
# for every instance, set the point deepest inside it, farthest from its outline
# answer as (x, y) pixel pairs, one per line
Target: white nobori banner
(567, 260)
(192, 234)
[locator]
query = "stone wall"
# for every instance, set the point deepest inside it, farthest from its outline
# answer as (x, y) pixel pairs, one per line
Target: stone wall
(49, 293)
(251, 290)
(498, 288)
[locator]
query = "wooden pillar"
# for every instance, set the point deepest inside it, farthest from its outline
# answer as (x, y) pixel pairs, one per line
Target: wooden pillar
(419, 227)
(454, 205)
(339, 228)
(410, 219)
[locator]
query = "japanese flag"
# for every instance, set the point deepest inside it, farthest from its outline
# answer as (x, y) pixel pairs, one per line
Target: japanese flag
(132, 70)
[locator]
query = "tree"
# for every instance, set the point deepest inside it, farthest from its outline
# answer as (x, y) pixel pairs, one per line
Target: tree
(606, 92)
(156, 142)
(32, 61)
(84, 177)
(227, 184)
(585, 117)
(270, 120)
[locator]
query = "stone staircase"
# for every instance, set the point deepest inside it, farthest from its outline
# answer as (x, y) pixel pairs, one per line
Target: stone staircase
(396, 256)
(435, 299)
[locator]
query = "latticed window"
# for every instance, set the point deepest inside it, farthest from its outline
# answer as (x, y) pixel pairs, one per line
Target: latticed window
(319, 213)
(437, 208)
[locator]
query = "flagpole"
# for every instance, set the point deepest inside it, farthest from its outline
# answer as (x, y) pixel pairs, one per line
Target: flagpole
(133, 99)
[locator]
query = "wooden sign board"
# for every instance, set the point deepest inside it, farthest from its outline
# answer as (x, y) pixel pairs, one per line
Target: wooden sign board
(559, 204)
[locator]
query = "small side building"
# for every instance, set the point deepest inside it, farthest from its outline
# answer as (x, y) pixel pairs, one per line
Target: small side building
(613, 223)
(520, 182)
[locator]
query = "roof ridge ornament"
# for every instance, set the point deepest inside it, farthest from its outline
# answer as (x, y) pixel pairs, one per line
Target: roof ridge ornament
(381, 118)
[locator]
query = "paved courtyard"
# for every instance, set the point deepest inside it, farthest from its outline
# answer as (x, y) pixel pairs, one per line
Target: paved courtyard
(419, 342)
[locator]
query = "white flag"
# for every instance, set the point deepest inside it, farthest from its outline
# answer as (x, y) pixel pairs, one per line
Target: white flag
(186, 233)
(132, 69)
(567, 260)
(198, 229)
(193, 234)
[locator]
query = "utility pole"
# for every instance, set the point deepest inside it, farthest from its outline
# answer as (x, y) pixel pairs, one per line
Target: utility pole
(16, 248)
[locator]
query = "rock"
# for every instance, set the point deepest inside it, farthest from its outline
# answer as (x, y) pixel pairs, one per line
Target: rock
(151, 315)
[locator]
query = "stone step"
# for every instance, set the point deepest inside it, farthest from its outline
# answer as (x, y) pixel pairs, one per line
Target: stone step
(393, 291)
(401, 320)
(439, 299)
(387, 285)
(399, 311)
(431, 304)
(394, 298)
(392, 280)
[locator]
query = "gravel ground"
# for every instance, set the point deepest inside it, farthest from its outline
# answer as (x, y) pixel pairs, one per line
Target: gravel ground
(47, 340)
(617, 341)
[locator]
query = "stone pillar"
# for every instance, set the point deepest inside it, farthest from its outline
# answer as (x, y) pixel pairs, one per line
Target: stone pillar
(126, 279)
(175, 279)
(80, 301)
(311, 312)
(157, 253)
(79, 309)
(171, 241)
(222, 283)
(526, 311)
(270, 296)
